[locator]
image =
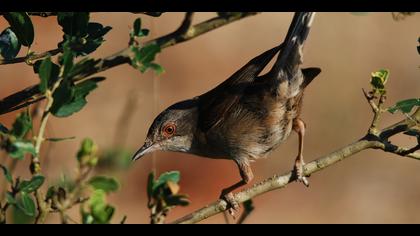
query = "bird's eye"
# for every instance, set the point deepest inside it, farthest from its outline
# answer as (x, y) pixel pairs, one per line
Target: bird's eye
(169, 130)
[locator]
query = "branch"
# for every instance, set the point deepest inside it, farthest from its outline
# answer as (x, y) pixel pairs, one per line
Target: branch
(276, 182)
(31, 94)
(31, 57)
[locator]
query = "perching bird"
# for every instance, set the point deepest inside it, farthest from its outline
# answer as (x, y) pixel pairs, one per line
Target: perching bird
(245, 117)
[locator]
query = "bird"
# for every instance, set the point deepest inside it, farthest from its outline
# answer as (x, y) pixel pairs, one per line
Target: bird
(245, 117)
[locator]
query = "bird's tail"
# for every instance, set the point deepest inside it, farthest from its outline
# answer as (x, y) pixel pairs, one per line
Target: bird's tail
(290, 57)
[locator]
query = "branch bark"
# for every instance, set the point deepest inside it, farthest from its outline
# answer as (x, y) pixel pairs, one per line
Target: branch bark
(31, 94)
(277, 182)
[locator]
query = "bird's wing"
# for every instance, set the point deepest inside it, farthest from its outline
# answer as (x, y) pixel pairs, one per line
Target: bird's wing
(215, 104)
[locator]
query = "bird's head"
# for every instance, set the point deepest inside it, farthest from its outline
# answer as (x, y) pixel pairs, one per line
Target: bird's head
(172, 130)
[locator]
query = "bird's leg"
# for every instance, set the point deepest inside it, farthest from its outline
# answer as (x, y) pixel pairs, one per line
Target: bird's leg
(299, 127)
(247, 176)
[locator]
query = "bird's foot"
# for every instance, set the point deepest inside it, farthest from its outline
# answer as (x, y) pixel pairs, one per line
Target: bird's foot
(233, 205)
(299, 164)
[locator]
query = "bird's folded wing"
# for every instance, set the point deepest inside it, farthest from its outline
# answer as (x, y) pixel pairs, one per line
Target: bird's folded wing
(215, 104)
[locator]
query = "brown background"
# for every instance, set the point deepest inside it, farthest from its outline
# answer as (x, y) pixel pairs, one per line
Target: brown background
(371, 187)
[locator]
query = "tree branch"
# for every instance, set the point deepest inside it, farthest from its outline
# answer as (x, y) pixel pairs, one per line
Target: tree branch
(31, 57)
(31, 94)
(276, 182)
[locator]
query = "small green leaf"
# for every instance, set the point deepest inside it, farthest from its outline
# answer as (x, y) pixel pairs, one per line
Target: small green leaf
(157, 68)
(32, 185)
(26, 204)
(9, 44)
(7, 174)
(172, 176)
(19, 148)
(22, 125)
(104, 183)
(137, 27)
(87, 153)
(45, 74)
(20, 217)
(73, 23)
(147, 53)
(87, 146)
(21, 24)
(100, 211)
(78, 101)
(67, 59)
(10, 199)
(150, 184)
(405, 106)
(59, 139)
(379, 79)
(62, 96)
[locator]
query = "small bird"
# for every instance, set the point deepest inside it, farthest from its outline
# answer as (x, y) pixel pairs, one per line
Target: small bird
(247, 116)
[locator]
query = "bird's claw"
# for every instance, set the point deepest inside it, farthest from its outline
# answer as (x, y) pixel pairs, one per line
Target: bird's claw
(299, 173)
(233, 205)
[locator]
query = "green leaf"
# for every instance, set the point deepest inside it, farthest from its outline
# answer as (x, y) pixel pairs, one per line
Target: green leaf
(73, 23)
(7, 174)
(78, 100)
(21, 24)
(59, 139)
(147, 53)
(55, 70)
(22, 125)
(61, 97)
(144, 57)
(96, 32)
(32, 185)
(86, 147)
(157, 68)
(19, 148)
(67, 59)
(379, 79)
(172, 176)
(10, 199)
(150, 184)
(9, 44)
(45, 74)
(19, 217)
(26, 204)
(405, 106)
(137, 27)
(87, 153)
(104, 183)
(100, 211)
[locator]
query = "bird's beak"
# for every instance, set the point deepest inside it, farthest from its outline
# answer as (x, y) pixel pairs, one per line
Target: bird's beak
(146, 148)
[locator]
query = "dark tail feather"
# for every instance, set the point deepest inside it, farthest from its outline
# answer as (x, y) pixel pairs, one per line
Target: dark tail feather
(290, 57)
(309, 74)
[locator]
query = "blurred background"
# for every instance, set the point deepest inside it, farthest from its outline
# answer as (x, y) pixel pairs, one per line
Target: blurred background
(370, 187)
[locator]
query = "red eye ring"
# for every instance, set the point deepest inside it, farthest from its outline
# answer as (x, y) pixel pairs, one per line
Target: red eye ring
(169, 130)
